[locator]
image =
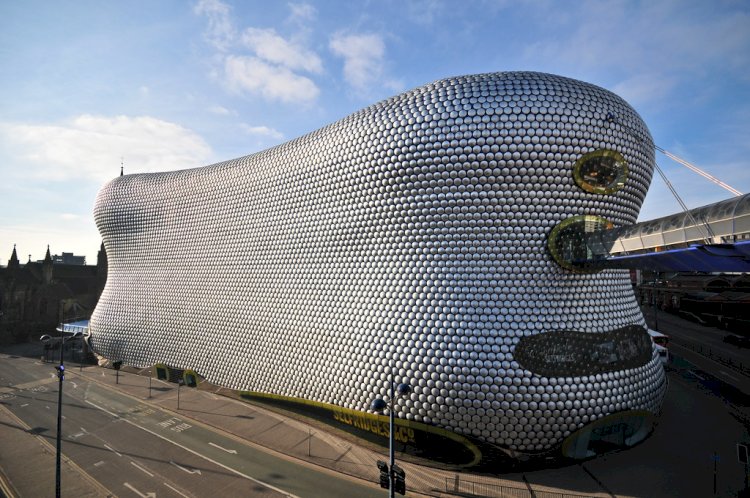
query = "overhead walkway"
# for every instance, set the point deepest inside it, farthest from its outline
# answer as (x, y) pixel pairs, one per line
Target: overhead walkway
(711, 238)
(81, 326)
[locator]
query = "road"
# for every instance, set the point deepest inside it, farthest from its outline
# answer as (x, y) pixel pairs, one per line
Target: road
(135, 449)
(684, 330)
(705, 347)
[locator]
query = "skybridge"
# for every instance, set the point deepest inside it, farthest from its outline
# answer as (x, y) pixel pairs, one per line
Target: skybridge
(711, 238)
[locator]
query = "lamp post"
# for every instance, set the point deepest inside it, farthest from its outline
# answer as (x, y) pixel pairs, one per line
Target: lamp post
(179, 385)
(61, 376)
(656, 302)
(379, 405)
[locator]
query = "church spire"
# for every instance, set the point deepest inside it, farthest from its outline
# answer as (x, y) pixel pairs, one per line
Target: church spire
(13, 263)
(47, 268)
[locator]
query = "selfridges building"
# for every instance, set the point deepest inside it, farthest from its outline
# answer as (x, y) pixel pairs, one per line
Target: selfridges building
(437, 236)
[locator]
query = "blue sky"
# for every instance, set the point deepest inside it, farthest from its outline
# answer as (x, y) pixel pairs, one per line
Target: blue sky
(169, 85)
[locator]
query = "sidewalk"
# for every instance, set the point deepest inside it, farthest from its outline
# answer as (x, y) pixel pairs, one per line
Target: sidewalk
(28, 458)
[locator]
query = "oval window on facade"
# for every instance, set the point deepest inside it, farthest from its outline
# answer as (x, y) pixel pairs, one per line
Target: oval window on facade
(579, 243)
(601, 171)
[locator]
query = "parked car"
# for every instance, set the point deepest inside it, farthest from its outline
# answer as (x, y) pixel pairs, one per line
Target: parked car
(737, 340)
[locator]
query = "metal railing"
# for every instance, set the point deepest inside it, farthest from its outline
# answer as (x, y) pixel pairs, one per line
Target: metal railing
(708, 352)
(475, 489)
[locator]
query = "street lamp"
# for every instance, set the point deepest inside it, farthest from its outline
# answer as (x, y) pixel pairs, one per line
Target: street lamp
(61, 375)
(379, 405)
(179, 385)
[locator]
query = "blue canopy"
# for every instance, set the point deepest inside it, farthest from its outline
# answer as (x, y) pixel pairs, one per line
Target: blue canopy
(699, 257)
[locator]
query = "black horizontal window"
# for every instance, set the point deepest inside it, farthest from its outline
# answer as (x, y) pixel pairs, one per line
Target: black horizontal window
(566, 353)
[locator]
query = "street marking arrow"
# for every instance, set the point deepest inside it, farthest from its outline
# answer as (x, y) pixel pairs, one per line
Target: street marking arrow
(234, 452)
(189, 471)
(147, 495)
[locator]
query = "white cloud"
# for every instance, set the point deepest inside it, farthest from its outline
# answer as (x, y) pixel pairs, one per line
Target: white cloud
(302, 13)
(262, 131)
(220, 32)
(271, 47)
(250, 74)
(363, 56)
(425, 12)
(221, 111)
(90, 147)
(69, 216)
(645, 88)
(271, 69)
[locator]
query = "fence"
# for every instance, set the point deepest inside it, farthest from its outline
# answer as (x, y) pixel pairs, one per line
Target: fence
(708, 352)
(462, 487)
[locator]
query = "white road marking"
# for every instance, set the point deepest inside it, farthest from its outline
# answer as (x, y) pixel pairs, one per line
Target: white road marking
(24, 405)
(112, 450)
(131, 488)
(99, 463)
(234, 452)
(189, 471)
(142, 469)
(695, 374)
(75, 386)
(176, 490)
(230, 469)
(728, 375)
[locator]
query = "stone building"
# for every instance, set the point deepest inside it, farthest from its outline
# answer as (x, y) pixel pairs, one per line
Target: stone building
(36, 296)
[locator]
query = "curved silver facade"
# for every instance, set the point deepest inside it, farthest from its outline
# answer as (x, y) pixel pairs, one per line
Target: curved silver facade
(412, 233)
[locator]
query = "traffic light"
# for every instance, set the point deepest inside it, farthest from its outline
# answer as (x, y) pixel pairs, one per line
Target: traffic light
(399, 479)
(116, 365)
(384, 478)
(60, 371)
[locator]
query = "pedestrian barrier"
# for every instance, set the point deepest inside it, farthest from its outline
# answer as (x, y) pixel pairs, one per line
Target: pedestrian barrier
(475, 489)
(708, 352)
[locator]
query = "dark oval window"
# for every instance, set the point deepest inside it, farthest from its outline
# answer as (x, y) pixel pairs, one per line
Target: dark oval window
(601, 171)
(579, 243)
(568, 353)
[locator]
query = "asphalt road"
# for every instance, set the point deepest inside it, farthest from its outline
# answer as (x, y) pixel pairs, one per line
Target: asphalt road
(680, 329)
(134, 449)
